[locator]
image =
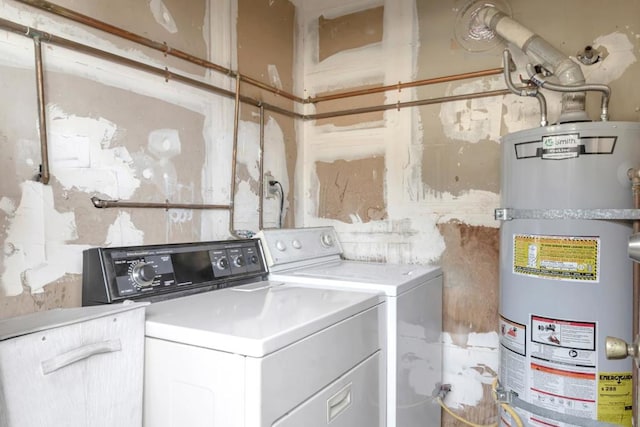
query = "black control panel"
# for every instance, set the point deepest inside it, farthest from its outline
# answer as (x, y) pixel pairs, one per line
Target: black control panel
(156, 272)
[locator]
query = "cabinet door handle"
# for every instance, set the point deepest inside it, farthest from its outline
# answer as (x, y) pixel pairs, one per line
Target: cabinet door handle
(339, 402)
(65, 359)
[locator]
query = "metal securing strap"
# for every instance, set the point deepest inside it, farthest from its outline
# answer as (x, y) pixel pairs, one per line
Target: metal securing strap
(508, 214)
(511, 398)
(557, 416)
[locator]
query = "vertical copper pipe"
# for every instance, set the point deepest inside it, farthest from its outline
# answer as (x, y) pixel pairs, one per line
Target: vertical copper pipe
(261, 192)
(634, 175)
(234, 160)
(42, 117)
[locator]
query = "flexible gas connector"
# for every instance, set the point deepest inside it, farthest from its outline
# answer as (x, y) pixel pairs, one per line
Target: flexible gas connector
(504, 405)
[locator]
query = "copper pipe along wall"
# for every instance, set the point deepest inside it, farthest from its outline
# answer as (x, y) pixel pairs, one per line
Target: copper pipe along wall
(400, 86)
(261, 179)
(234, 160)
(59, 41)
(101, 203)
(42, 114)
(162, 72)
(167, 50)
(162, 47)
(400, 105)
(634, 176)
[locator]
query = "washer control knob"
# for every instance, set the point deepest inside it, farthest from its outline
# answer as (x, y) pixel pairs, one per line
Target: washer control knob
(239, 261)
(253, 259)
(296, 244)
(327, 240)
(143, 274)
(281, 246)
(222, 264)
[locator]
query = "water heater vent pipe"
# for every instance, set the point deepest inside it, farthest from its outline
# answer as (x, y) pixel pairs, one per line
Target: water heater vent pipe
(543, 53)
(539, 80)
(525, 90)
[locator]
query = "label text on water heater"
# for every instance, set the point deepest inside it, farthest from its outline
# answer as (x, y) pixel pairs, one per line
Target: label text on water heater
(558, 147)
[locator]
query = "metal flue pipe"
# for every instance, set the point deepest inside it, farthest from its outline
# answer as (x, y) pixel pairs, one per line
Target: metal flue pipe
(543, 53)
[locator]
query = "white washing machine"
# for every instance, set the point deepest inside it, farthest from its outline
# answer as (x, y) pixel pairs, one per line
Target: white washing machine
(413, 294)
(246, 352)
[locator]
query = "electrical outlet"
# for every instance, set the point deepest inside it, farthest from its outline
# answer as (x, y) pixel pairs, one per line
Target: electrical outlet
(270, 191)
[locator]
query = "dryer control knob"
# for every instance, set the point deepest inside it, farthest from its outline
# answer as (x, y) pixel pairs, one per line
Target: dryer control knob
(281, 246)
(222, 264)
(143, 274)
(296, 244)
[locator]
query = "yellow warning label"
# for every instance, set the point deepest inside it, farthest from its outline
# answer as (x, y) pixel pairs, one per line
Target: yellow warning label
(615, 398)
(557, 257)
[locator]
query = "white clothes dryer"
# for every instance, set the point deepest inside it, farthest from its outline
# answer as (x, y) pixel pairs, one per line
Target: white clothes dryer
(413, 294)
(226, 348)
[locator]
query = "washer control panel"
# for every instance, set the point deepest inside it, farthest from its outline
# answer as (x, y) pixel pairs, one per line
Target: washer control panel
(141, 272)
(294, 245)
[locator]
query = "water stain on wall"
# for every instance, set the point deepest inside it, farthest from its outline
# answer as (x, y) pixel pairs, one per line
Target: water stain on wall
(349, 31)
(352, 191)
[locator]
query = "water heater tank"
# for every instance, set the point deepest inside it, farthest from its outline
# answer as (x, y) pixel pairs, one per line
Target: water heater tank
(565, 284)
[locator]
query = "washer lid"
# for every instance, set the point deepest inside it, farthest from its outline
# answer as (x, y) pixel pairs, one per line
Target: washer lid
(253, 320)
(390, 279)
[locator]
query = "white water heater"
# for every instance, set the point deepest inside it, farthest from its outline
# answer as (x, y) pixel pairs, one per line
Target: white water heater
(565, 278)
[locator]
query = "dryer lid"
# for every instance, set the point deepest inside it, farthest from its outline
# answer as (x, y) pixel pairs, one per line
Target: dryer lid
(253, 320)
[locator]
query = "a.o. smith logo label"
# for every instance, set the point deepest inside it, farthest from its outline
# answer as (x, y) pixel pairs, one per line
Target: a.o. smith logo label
(565, 146)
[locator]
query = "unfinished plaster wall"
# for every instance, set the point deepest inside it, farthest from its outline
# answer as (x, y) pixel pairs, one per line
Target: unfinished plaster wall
(441, 181)
(116, 133)
(266, 33)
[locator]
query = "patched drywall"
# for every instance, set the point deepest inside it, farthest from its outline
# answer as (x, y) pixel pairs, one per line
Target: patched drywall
(113, 132)
(352, 191)
(265, 53)
(349, 31)
(166, 21)
(471, 261)
(360, 120)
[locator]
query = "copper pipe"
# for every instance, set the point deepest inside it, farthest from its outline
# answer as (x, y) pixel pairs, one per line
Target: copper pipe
(166, 74)
(400, 105)
(42, 113)
(634, 176)
(400, 86)
(101, 203)
(261, 179)
(162, 47)
(162, 72)
(234, 159)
